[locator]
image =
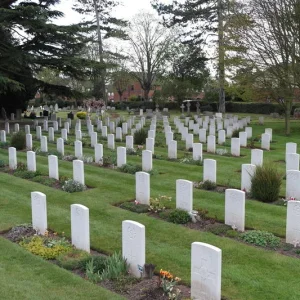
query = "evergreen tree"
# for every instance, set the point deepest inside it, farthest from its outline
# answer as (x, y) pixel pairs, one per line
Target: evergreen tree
(105, 26)
(29, 41)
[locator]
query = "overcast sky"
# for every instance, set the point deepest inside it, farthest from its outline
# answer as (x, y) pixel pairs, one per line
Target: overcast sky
(126, 10)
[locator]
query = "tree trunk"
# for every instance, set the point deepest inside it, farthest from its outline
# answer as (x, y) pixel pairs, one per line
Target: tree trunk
(103, 71)
(221, 52)
(146, 94)
(288, 109)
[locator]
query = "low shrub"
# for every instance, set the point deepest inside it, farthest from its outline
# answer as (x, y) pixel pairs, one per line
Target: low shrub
(2, 163)
(38, 246)
(44, 180)
(232, 234)
(73, 259)
(208, 185)
(109, 160)
(72, 186)
(140, 137)
(261, 238)
(235, 133)
(265, 183)
(4, 145)
(25, 174)
(159, 203)
(218, 229)
(81, 115)
(135, 207)
(179, 216)
(130, 168)
(18, 140)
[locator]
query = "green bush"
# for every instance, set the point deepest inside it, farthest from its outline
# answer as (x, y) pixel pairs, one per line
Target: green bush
(179, 216)
(25, 174)
(73, 259)
(40, 246)
(140, 137)
(44, 180)
(72, 186)
(133, 98)
(232, 234)
(81, 115)
(4, 145)
(261, 238)
(130, 168)
(135, 207)
(2, 163)
(265, 183)
(218, 229)
(18, 140)
(236, 133)
(208, 185)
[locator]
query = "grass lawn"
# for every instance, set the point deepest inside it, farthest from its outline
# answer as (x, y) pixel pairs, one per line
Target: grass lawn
(247, 272)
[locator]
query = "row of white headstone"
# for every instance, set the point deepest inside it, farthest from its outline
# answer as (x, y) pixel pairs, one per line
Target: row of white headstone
(206, 260)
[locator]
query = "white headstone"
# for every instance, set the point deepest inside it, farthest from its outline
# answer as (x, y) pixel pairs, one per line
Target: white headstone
(60, 146)
(248, 130)
(98, 153)
(64, 134)
(38, 130)
(189, 141)
(142, 187)
(53, 167)
(169, 137)
(78, 149)
(3, 136)
(172, 150)
(243, 138)
(248, 171)
(221, 137)
(129, 141)
(235, 209)
(28, 141)
(202, 135)
(211, 144)
(235, 147)
(269, 131)
(27, 129)
(31, 161)
(293, 223)
(80, 227)
(44, 144)
(39, 212)
(206, 271)
(12, 158)
(78, 171)
(292, 161)
(265, 141)
(210, 170)
(184, 194)
(111, 141)
(150, 144)
(104, 131)
(121, 156)
(292, 184)
(290, 148)
(257, 157)
(94, 139)
(7, 127)
(17, 127)
(51, 134)
(146, 160)
(197, 151)
(133, 246)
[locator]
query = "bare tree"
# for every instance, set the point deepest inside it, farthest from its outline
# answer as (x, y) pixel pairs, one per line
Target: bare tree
(150, 46)
(273, 41)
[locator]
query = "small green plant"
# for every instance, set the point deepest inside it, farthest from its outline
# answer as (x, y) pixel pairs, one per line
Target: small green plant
(4, 145)
(140, 137)
(179, 216)
(218, 229)
(18, 140)
(261, 238)
(167, 282)
(2, 163)
(265, 183)
(158, 204)
(44, 180)
(72, 186)
(130, 168)
(41, 246)
(108, 161)
(235, 133)
(232, 234)
(90, 272)
(208, 185)
(73, 259)
(25, 174)
(115, 266)
(135, 207)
